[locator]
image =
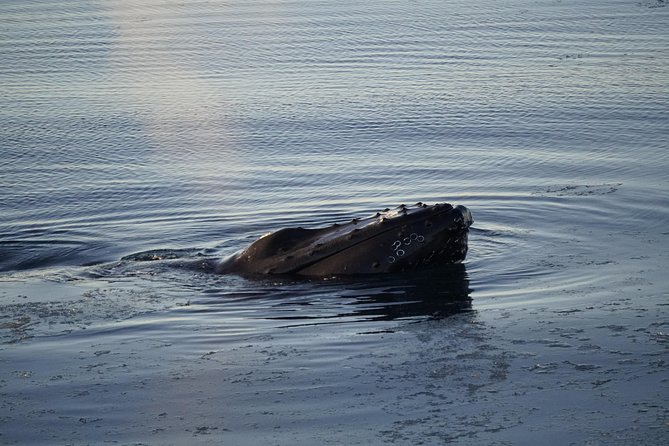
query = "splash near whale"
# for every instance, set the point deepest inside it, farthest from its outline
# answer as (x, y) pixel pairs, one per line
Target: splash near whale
(405, 238)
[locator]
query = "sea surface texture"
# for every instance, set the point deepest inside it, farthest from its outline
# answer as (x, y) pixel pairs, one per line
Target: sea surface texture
(141, 140)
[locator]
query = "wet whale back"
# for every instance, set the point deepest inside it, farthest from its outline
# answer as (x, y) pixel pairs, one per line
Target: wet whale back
(279, 252)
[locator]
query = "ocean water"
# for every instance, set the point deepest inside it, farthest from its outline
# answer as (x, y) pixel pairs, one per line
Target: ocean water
(189, 129)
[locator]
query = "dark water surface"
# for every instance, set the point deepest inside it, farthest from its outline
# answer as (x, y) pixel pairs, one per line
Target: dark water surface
(191, 128)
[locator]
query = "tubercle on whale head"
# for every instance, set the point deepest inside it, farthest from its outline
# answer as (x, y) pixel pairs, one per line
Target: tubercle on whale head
(458, 217)
(385, 220)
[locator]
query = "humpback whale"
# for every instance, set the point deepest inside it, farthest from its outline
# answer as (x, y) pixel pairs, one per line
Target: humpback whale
(405, 238)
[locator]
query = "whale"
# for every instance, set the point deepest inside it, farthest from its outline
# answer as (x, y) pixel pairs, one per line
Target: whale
(405, 238)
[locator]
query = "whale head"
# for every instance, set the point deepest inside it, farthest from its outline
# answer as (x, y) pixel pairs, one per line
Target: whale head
(401, 239)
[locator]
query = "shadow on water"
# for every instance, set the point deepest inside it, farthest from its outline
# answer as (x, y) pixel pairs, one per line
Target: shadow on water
(435, 293)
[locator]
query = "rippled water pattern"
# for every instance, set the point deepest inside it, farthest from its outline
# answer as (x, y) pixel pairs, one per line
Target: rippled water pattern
(192, 128)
